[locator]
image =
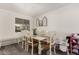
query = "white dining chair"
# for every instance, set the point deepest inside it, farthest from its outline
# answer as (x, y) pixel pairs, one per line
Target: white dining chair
(51, 43)
(30, 42)
(63, 43)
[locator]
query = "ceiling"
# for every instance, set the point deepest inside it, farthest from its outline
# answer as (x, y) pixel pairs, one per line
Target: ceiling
(31, 9)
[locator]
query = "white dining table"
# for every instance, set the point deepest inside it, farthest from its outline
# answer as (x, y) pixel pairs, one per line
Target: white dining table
(39, 38)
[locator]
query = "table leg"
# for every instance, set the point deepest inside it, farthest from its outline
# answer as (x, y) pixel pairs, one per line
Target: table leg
(50, 49)
(39, 48)
(32, 47)
(27, 47)
(22, 44)
(0, 45)
(18, 41)
(25, 44)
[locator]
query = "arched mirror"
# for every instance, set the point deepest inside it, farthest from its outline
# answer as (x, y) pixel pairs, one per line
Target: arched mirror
(37, 22)
(44, 20)
(41, 22)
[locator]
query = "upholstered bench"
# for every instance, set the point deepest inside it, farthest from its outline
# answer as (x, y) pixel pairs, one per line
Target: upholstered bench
(10, 40)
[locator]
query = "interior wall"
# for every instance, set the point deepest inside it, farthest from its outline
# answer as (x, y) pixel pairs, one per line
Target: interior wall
(65, 19)
(7, 23)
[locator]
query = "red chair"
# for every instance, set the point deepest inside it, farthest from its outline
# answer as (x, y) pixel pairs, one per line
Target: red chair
(73, 44)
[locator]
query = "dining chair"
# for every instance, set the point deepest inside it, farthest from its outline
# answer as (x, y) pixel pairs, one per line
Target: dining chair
(25, 39)
(52, 42)
(73, 44)
(48, 43)
(63, 42)
(30, 42)
(21, 40)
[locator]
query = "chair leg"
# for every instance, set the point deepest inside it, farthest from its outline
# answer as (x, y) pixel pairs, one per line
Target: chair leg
(67, 52)
(18, 41)
(54, 49)
(71, 48)
(50, 52)
(22, 44)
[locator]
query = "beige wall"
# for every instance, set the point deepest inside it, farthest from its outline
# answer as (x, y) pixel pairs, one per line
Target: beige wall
(65, 19)
(7, 24)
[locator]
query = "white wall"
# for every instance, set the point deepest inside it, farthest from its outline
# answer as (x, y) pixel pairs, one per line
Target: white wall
(65, 19)
(7, 23)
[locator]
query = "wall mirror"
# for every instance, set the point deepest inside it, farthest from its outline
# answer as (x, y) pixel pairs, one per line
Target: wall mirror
(42, 22)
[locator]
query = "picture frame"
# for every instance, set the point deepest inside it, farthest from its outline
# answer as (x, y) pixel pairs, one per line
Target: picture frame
(21, 24)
